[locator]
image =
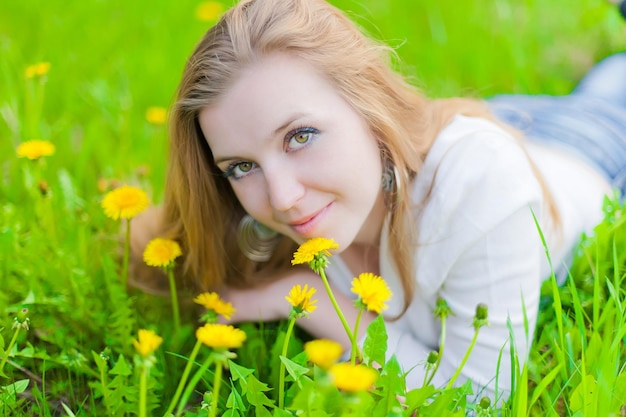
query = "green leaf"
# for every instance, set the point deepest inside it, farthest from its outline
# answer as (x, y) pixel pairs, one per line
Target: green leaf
(121, 367)
(255, 393)
(449, 402)
(17, 387)
(238, 371)
(279, 412)
(417, 397)
(390, 384)
(296, 371)
(619, 391)
(543, 385)
(8, 393)
(583, 393)
(69, 412)
(100, 362)
(235, 402)
(317, 399)
(358, 404)
(594, 351)
(122, 396)
(262, 412)
(375, 344)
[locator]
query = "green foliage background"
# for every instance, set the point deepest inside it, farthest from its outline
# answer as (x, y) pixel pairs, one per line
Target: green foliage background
(111, 60)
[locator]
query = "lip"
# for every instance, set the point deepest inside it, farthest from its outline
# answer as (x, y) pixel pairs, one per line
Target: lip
(306, 226)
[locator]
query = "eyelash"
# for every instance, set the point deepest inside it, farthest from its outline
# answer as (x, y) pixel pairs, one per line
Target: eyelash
(302, 129)
(229, 172)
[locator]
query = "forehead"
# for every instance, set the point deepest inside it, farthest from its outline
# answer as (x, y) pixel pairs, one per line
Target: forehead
(265, 95)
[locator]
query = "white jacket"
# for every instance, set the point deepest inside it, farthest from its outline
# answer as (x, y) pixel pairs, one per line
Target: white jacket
(478, 243)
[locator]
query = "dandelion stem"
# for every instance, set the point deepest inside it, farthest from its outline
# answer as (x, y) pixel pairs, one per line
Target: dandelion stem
(355, 349)
(105, 390)
(126, 254)
(174, 296)
(143, 389)
(442, 342)
(217, 381)
(281, 383)
(329, 291)
(183, 378)
(192, 384)
(462, 364)
(6, 356)
(426, 373)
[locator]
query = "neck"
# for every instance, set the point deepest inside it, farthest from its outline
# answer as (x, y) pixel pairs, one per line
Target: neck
(369, 235)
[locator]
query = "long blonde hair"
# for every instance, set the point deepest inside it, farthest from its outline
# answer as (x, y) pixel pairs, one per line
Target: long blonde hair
(200, 208)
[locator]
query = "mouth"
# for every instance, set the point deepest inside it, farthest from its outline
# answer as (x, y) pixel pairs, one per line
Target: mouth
(306, 226)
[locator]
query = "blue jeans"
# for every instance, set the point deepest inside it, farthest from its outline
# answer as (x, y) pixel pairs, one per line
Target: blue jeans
(590, 122)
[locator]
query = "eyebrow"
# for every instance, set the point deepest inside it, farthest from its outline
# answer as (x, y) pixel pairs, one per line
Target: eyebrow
(290, 120)
(276, 132)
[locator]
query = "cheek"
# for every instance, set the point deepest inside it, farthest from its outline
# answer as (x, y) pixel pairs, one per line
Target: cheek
(252, 197)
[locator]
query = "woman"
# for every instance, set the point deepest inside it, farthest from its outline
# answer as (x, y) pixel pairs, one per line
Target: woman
(290, 124)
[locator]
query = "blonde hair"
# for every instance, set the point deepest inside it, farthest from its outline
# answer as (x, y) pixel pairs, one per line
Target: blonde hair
(200, 208)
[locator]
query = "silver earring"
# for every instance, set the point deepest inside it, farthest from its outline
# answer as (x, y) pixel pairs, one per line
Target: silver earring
(391, 184)
(256, 241)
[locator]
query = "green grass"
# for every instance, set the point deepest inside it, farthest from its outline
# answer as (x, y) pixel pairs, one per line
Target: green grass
(111, 60)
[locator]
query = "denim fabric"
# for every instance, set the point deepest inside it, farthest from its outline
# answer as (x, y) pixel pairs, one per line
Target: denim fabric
(590, 122)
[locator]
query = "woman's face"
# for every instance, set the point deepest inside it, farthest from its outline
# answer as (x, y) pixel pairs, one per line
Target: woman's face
(299, 158)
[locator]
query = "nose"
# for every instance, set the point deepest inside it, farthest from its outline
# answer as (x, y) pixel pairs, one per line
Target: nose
(284, 187)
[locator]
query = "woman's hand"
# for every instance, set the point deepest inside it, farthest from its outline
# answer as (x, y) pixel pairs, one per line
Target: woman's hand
(267, 303)
(262, 303)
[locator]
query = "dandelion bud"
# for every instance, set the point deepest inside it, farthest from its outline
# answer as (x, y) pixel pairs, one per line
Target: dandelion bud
(143, 171)
(442, 310)
(482, 311)
(433, 357)
(319, 263)
(44, 187)
(103, 185)
(485, 403)
(106, 354)
(21, 319)
(22, 315)
(480, 319)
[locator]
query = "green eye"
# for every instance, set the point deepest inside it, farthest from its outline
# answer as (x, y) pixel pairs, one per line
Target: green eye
(238, 170)
(302, 137)
(244, 166)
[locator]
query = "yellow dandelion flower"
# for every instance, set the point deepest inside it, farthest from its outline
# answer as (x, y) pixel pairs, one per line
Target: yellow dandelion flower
(209, 11)
(372, 290)
(212, 301)
(221, 336)
(323, 352)
(352, 378)
(148, 341)
(39, 69)
(125, 202)
(307, 252)
(300, 298)
(35, 149)
(156, 115)
(161, 252)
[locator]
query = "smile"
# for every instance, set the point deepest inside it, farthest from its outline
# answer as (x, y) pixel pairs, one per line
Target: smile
(306, 226)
